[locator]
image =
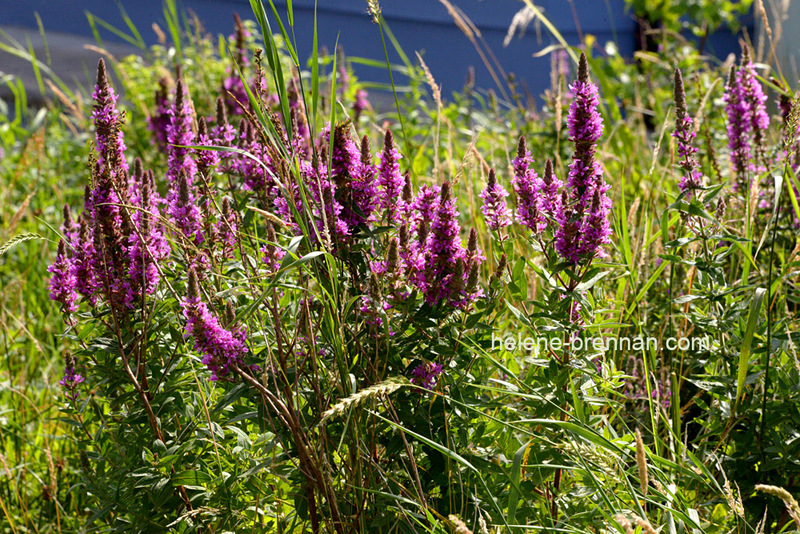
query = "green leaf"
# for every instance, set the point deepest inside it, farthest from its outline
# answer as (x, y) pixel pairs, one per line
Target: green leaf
(191, 477)
(513, 492)
(747, 341)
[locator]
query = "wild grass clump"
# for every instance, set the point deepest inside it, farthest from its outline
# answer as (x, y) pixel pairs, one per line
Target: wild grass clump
(285, 311)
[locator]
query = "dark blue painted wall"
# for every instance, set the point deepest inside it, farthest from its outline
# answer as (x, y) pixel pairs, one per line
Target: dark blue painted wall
(420, 25)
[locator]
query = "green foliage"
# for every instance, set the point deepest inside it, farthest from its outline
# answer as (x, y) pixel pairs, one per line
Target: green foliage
(701, 17)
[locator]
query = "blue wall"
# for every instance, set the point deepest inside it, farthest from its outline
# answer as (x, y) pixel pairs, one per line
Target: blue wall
(420, 25)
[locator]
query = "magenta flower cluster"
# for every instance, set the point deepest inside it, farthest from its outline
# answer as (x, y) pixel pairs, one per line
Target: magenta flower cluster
(425, 374)
(745, 105)
(222, 349)
(578, 211)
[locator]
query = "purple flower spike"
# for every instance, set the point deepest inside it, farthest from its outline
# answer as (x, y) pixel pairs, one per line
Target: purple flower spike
(184, 211)
(221, 349)
(107, 122)
(148, 246)
(179, 135)
(159, 121)
(72, 378)
(424, 375)
(226, 229)
(443, 252)
(63, 283)
(583, 216)
(364, 185)
(568, 231)
(390, 181)
(528, 188)
(738, 110)
(361, 103)
(207, 159)
(684, 134)
(494, 208)
(223, 134)
(585, 128)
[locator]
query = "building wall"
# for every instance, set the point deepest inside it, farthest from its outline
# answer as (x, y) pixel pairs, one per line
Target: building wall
(420, 25)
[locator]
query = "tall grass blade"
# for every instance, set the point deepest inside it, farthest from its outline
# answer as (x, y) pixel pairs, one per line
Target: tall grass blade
(747, 341)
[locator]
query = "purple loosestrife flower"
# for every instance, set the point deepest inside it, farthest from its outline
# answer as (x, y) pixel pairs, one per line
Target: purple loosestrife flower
(226, 229)
(148, 245)
(329, 221)
(254, 176)
(596, 229)
(528, 188)
(179, 135)
(390, 181)
(583, 216)
(63, 283)
(72, 378)
(232, 86)
(754, 94)
(83, 262)
(684, 134)
(423, 206)
(360, 104)
(109, 139)
(739, 125)
(364, 185)
(568, 232)
(223, 134)
(425, 374)
(551, 199)
(207, 159)
(222, 349)
(443, 252)
(111, 229)
(585, 128)
(184, 212)
(345, 171)
(159, 120)
(494, 208)
(273, 254)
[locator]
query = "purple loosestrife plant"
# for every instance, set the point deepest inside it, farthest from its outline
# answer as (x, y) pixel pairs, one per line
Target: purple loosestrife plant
(684, 134)
(180, 135)
(390, 181)
(222, 349)
(737, 108)
(158, 121)
(63, 283)
(364, 186)
(425, 374)
(107, 121)
(206, 159)
(223, 134)
(753, 94)
(72, 379)
(494, 208)
(528, 188)
(184, 212)
(583, 217)
(443, 252)
(148, 245)
(226, 229)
